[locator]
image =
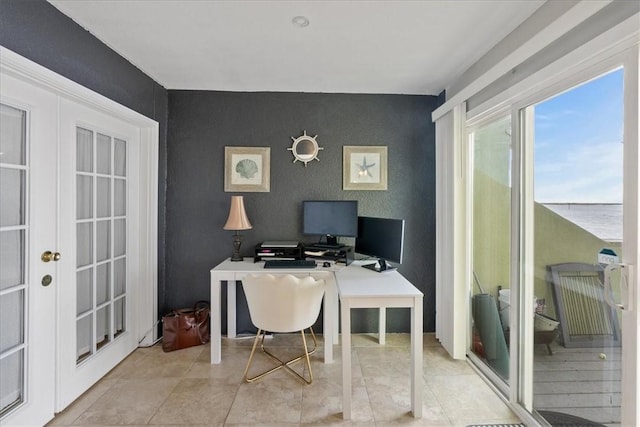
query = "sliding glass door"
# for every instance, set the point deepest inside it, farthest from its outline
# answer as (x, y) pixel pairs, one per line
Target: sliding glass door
(491, 251)
(553, 209)
(577, 230)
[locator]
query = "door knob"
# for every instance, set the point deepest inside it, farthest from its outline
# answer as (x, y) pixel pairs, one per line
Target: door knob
(50, 256)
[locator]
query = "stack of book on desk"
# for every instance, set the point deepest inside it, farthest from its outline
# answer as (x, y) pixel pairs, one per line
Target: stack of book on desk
(278, 250)
(343, 254)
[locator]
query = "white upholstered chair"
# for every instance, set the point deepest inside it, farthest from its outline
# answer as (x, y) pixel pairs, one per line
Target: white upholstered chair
(282, 304)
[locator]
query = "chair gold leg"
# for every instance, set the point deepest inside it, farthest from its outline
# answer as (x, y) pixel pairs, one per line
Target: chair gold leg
(253, 350)
(306, 353)
(282, 364)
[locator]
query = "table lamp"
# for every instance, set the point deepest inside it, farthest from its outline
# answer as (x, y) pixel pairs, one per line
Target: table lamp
(237, 221)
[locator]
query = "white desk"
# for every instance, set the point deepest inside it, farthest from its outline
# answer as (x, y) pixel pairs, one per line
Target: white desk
(357, 287)
(232, 271)
(362, 288)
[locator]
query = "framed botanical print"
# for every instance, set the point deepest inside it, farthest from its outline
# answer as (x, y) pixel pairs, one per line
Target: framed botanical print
(247, 169)
(364, 167)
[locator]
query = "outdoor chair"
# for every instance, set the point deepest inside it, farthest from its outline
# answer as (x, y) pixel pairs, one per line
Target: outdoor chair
(586, 320)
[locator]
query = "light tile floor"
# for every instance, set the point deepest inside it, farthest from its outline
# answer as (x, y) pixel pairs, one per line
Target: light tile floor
(151, 387)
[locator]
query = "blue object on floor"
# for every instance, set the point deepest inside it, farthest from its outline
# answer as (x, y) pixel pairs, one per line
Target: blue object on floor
(487, 322)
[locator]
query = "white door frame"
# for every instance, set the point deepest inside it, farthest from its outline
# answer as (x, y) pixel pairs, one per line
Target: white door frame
(631, 241)
(146, 314)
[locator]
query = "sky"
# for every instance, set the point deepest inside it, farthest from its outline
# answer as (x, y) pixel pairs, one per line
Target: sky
(578, 144)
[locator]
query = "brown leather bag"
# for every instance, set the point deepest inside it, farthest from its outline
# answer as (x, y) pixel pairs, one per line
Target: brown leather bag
(186, 327)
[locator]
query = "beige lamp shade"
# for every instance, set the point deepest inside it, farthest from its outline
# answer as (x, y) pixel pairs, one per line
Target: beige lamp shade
(237, 216)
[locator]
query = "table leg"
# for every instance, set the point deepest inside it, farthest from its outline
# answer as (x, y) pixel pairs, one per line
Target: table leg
(336, 311)
(416, 357)
(216, 336)
(345, 310)
(331, 304)
(232, 286)
(382, 325)
(328, 318)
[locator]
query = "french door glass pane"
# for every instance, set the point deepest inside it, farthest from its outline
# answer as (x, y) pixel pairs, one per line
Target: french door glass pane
(12, 135)
(103, 273)
(103, 244)
(12, 320)
(84, 150)
(84, 333)
(120, 157)
(12, 258)
(84, 244)
(84, 197)
(104, 197)
(84, 291)
(120, 234)
(104, 154)
(120, 276)
(12, 384)
(101, 259)
(103, 326)
(12, 209)
(491, 242)
(119, 315)
(119, 199)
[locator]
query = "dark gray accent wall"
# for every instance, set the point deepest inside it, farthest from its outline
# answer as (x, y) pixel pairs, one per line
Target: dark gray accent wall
(38, 31)
(202, 123)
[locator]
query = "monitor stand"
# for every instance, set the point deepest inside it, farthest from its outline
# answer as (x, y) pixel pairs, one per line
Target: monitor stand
(332, 240)
(380, 266)
(331, 243)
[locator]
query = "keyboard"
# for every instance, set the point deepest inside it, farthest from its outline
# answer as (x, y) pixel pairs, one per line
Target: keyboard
(289, 263)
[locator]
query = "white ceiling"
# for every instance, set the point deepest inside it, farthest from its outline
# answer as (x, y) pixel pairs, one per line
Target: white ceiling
(401, 47)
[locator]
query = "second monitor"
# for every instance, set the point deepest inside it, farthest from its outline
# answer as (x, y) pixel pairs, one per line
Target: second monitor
(381, 238)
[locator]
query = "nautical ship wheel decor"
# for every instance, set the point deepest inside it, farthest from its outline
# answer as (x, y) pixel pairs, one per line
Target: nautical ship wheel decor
(305, 148)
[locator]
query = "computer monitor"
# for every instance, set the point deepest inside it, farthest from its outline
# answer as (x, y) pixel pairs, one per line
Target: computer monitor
(330, 219)
(381, 238)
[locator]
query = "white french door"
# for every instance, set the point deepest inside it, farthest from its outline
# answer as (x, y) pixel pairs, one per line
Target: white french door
(77, 240)
(96, 321)
(28, 285)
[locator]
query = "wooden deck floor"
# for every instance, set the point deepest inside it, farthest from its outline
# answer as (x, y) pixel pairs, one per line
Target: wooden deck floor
(579, 381)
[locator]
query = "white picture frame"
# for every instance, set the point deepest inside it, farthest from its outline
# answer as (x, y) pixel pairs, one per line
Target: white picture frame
(247, 169)
(364, 167)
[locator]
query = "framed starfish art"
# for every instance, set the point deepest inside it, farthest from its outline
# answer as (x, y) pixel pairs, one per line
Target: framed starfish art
(364, 167)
